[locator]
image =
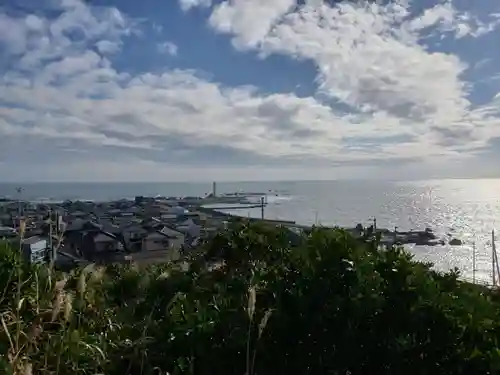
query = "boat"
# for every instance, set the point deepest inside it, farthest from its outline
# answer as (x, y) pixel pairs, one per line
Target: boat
(455, 242)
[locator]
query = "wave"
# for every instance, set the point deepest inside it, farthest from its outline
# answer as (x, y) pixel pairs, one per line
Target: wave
(278, 198)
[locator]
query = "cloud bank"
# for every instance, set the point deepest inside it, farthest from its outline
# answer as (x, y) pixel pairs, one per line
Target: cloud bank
(385, 98)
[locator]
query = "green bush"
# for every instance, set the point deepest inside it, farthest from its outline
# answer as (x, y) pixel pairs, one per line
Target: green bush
(329, 304)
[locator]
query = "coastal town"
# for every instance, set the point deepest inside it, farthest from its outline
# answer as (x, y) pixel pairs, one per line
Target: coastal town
(144, 230)
(140, 230)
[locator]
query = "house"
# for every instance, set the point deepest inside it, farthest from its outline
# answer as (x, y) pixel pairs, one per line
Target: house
(109, 226)
(78, 214)
(155, 241)
(168, 217)
(115, 212)
(133, 235)
(123, 221)
(201, 216)
(32, 231)
(164, 238)
(6, 219)
(97, 245)
(189, 228)
(75, 233)
(177, 210)
(74, 225)
(176, 237)
(104, 242)
(8, 232)
(133, 231)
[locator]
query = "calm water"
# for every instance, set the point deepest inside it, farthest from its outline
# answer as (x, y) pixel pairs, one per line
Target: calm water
(468, 209)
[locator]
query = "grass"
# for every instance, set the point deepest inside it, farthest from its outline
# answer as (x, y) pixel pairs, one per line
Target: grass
(329, 305)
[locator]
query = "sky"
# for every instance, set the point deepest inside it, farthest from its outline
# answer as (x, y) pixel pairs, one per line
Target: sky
(196, 90)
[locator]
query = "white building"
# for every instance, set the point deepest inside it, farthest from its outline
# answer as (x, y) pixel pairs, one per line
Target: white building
(34, 249)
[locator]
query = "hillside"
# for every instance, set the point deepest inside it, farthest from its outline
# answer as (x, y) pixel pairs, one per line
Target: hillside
(329, 304)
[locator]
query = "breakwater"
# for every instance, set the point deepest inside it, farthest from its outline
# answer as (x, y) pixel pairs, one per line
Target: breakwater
(238, 207)
(426, 237)
(388, 237)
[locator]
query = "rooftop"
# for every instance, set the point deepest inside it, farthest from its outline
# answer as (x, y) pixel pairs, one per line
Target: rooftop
(32, 240)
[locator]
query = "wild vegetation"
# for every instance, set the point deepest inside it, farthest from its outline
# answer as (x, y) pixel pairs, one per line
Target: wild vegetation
(329, 304)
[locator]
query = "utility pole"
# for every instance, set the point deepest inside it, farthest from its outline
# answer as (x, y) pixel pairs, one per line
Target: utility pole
(51, 245)
(474, 262)
(495, 259)
(374, 225)
(262, 207)
(19, 191)
(493, 254)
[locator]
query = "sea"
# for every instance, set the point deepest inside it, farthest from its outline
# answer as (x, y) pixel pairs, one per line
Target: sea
(467, 209)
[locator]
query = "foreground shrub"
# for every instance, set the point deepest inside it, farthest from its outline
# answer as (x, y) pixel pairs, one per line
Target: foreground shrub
(328, 305)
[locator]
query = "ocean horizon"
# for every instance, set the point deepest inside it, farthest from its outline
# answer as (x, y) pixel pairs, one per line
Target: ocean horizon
(468, 209)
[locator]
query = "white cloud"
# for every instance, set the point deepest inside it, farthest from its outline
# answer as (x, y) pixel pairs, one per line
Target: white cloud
(368, 56)
(189, 4)
(249, 21)
(177, 103)
(108, 47)
(446, 18)
(403, 101)
(200, 113)
(38, 39)
(168, 48)
(34, 23)
(367, 59)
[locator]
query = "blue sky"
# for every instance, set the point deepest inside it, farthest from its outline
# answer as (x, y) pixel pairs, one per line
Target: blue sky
(153, 90)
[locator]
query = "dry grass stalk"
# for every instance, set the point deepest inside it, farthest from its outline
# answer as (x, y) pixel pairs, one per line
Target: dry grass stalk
(164, 275)
(22, 228)
(263, 321)
(27, 369)
(252, 299)
(20, 303)
(35, 331)
(57, 304)
(97, 274)
(82, 284)
(60, 239)
(59, 285)
(68, 306)
(7, 333)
